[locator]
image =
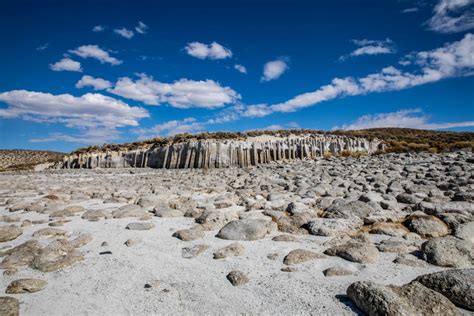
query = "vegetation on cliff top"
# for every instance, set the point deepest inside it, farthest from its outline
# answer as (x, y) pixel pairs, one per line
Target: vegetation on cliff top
(396, 139)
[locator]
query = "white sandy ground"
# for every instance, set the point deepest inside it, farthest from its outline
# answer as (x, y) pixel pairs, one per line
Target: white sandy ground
(114, 284)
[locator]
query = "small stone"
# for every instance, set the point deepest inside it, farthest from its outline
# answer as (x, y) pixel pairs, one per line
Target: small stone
(289, 269)
(9, 306)
(285, 237)
(410, 261)
(191, 252)
(300, 255)
(234, 250)
(132, 242)
(140, 226)
(272, 256)
(81, 240)
(104, 244)
(237, 278)
(105, 253)
(337, 271)
(49, 232)
(246, 229)
(147, 286)
(26, 286)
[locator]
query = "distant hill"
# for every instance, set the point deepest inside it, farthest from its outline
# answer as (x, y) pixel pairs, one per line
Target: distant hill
(396, 139)
(20, 159)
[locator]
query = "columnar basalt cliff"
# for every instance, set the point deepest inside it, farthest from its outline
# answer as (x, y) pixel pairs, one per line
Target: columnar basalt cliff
(213, 153)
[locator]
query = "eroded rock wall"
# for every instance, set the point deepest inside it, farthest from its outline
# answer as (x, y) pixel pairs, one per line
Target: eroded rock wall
(223, 153)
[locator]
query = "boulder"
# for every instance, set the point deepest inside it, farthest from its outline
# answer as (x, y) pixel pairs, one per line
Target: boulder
(95, 215)
(21, 255)
(455, 284)
(333, 226)
(233, 250)
(9, 306)
(191, 252)
(411, 299)
(140, 226)
(58, 254)
(448, 251)
(130, 210)
(246, 229)
(355, 251)
(300, 255)
(337, 271)
(8, 233)
(465, 231)
(348, 210)
(26, 286)
(426, 225)
(192, 233)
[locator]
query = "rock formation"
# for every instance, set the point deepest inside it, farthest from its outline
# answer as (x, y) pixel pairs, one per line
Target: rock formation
(212, 153)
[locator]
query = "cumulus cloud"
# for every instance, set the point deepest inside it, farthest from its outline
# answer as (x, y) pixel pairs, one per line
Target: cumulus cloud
(95, 83)
(66, 64)
(452, 60)
(98, 28)
(182, 94)
(240, 68)
(88, 110)
(407, 118)
(94, 51)
(274, 69)
(211, 51)
(141, 27)
(170, 128)
(371, 47)
(126, 33)
(451, 16)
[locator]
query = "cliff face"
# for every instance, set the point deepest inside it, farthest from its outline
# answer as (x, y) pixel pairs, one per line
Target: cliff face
(213, 153)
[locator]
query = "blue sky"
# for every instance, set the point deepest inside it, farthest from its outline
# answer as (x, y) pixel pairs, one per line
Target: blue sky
(75, 73)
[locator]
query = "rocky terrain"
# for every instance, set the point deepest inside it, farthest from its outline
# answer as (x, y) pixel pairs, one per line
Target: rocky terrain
(17, 159)
(387, 234)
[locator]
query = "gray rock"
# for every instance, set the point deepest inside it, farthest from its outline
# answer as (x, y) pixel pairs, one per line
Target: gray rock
(132, 242)
(8, 233)
(333, 226)
(9, 306)
(237, 278)
(391, 245)
(130, 210)
(337, 271)
(426, 225)
(465, 231)
(390, 229)
(449, 251)
(140, 226)
(193, 233)
(216, 219)
(284, 237)
(95, 215)
(409, 260)
(49, 232)
(191, 252)
(455, 284)
(26, 286)
(348, 210)
(161, 211)
(247, 229)
(355, 252)
(57, 255)
(408, 198)
(81, 240)
(300, 255)
(411, 299)
(21, 255)
(233, 250)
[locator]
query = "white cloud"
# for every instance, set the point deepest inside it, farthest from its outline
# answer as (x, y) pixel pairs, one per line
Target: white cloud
(182, 94)
(42, 47)
(89, 111)
(274, 69)
(89, 137)
(452, 60)
(211, 51)
(408, 118)
(126, 33)
(371, 47)
(170, 128)
(240, 68)
(94, 51)
(98, 28)
(451, 16)
(410, 10)
(141, 27)
(66, 64)
(96, 83)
